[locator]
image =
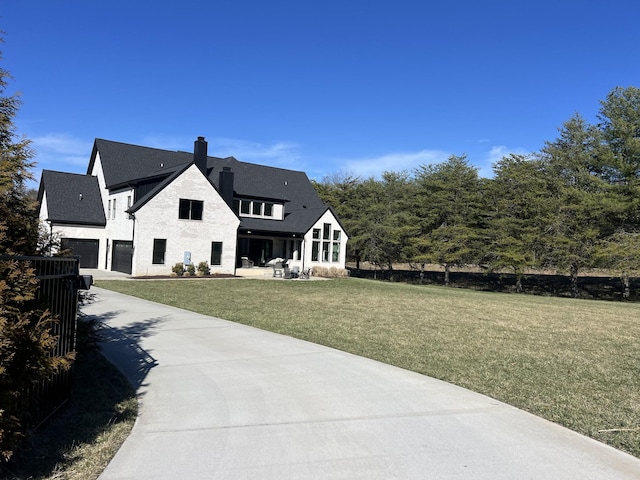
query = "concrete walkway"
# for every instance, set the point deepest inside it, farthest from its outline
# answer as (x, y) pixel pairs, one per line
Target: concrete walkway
(219, 400)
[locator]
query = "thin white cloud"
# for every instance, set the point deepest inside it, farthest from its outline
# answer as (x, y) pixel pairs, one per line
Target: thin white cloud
(61, 152)
(61, 149)
(392, 162)
(497, 152)
(277, 154)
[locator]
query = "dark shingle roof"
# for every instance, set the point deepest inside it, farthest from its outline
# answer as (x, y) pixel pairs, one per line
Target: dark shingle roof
(124, 164)
(302, 204)
(140, 202)
(72, 198)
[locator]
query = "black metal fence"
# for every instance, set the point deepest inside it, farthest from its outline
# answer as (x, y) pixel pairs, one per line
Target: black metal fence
(58, 279)
(598, 288)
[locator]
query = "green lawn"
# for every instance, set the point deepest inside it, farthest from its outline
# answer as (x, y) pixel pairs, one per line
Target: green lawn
(574, 362)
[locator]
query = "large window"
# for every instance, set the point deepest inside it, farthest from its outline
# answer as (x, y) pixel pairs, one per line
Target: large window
(190, 209)
(295, 247)
(216, 253)
(315, 248)
(326, 231)
(159, 248)
(325, 251)
(335, 253)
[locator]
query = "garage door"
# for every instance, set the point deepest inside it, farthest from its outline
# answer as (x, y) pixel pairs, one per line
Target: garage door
(122, 257)
(86, 249)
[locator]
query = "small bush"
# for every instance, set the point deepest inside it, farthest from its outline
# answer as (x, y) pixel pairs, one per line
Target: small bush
(178, 269)
(332, 272)
(203, 268)
(191, 269)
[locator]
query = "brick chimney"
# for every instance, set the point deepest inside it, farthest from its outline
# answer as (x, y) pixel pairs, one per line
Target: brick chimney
(225, 185)
(200, 154)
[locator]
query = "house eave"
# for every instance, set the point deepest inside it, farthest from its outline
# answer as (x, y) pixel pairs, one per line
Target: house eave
(270, 233)
(75, 222)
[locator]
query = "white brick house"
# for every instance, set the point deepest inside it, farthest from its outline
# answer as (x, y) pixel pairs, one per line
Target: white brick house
(141, 210)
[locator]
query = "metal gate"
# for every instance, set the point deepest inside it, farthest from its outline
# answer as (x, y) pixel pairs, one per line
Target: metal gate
(122, 258)
(59, 281)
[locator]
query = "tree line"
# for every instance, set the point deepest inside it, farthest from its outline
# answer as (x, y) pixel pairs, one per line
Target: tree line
(573, 205)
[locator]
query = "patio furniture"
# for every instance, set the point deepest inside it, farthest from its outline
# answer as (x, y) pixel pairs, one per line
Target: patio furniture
(246, 263)
(305, 273)
(278, 269)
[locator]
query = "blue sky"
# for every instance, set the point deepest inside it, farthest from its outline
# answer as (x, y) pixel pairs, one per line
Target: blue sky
(349, 86)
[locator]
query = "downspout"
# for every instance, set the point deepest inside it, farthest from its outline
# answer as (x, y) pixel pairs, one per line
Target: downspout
(133, 228)
(133, 239)
(50, 237)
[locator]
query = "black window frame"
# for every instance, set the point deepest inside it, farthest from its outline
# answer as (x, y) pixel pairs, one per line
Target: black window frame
(190, 209)
(216, 249)
(159, 251)
(326, 231)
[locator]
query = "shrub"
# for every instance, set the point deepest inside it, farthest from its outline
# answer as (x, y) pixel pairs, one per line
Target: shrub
(203, 268)
(178, 269)
(191, 269)
(332, 272)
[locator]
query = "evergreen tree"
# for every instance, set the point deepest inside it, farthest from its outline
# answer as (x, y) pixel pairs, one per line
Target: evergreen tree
(620, 161)
(395, 223)
(345, 193)
(581, 208)
(452, 231)
(515, 203)
(18, 217)
(26, 340)
(620, 253)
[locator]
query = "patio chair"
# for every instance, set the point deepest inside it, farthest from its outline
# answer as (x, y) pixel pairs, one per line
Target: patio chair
(246, 263)
(278, 269)
(295, 272)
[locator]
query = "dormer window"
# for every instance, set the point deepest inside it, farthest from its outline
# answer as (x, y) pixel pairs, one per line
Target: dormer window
(254, 208)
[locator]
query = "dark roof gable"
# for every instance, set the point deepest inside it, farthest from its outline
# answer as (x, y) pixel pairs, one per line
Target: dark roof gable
(125, 164)
(72, 198)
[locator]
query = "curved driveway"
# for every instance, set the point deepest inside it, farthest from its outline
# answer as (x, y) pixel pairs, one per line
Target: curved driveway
(219, 400)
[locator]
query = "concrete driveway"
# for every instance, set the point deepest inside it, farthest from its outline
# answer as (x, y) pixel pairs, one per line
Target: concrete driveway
(219, 400)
